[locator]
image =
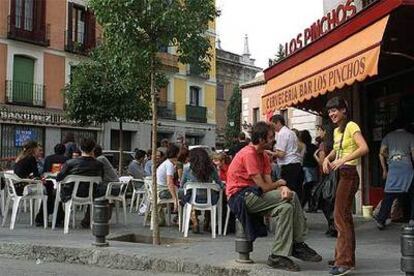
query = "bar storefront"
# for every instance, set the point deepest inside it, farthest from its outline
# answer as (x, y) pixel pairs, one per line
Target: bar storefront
(367, 58)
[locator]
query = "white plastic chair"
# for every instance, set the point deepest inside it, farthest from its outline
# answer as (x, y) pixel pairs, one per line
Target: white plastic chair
(32, 191)
(193, 204)
(138, 193)
(160, 201)
(121, 197)
(75, 200)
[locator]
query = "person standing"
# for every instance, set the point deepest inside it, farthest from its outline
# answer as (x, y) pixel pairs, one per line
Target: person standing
(349, 147)
(240, 143)
(310, 170)
(325, 134)
(396, 155)
(288, 155)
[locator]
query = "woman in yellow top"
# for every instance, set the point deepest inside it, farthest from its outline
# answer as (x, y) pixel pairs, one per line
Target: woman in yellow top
(349, 147)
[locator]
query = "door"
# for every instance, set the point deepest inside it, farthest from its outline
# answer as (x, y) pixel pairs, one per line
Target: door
(23, 73)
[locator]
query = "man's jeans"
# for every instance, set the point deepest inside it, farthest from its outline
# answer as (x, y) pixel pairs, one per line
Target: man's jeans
(291, 223)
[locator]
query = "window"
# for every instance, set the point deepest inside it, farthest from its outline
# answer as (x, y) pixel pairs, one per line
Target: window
(80, 35)
(256, 115)
(14, 136)
(220, 92)
(24, 14)
(78, 24)
(195, 95)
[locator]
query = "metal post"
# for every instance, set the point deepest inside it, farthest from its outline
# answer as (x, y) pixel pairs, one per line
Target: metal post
(407, 250)
(243, 245)
(100, 226)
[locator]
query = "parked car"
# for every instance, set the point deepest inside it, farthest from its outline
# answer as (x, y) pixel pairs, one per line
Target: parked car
(113, 157)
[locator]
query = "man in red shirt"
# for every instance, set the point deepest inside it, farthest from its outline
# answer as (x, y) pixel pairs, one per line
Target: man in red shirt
(250, 189)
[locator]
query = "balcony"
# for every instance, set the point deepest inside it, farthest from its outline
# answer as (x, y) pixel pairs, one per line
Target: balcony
(166, 110)
(169, 62)
(195, 71)
(25, 29)
(197, 114)
(76, 43)
(22, 93)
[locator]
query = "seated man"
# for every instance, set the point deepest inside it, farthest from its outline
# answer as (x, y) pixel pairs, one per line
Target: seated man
(165, 179)
(136, 166)
(53, 164)
(252, 193)
(85, 165)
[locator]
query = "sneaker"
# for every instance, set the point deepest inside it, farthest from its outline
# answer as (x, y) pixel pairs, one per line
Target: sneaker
(303, 252)
(339, 270)
(282, 262)
(380, 225)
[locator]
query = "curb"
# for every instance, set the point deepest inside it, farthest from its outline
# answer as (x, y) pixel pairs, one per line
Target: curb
(107, 259)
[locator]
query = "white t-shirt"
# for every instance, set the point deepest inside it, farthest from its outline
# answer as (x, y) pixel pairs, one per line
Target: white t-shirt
(167, 168)
(287, 142)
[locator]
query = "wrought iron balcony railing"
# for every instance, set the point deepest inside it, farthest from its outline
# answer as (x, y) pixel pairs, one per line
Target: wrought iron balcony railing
(166, 110)
(23, 93)
(197, 114)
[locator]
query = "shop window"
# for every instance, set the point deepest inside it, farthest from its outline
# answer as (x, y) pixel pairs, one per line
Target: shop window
(14, 137)
(192, 140)
(79, 134)
(127, 137)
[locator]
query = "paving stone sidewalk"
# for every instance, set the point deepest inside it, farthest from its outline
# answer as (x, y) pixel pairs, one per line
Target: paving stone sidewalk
(378, 252)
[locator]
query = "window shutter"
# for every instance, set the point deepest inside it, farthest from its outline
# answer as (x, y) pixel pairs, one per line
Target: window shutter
(90, 29)
(69, 40)
(13, 13)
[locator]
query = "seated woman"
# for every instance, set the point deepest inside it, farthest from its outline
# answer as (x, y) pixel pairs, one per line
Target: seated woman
(202, 170)
(26, 164)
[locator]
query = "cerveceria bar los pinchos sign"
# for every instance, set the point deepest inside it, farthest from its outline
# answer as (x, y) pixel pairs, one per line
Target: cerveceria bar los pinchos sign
(331, 20)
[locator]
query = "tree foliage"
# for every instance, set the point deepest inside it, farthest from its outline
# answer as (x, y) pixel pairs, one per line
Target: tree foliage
(106, 88)
(141, 27)
(234, 110)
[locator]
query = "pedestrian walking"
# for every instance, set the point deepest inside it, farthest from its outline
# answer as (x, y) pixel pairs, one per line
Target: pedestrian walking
(396, 155)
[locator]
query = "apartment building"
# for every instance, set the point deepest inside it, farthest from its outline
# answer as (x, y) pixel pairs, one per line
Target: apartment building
(41, 41)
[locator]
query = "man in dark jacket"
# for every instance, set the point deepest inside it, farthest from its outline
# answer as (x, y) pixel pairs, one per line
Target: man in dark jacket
(85, 165)
(53, 164)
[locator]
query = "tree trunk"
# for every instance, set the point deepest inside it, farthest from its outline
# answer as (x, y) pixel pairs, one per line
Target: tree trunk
(121, 147)
(154, 214)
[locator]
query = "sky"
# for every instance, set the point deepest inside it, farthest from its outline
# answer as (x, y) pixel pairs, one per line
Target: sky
(267, 23)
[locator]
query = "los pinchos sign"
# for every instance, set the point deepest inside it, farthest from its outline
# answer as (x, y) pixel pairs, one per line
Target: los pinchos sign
(331, 20)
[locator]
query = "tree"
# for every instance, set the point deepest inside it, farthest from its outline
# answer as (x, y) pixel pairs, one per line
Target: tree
(142, 27)
(280, 54)
(233, 126)
(107, 88)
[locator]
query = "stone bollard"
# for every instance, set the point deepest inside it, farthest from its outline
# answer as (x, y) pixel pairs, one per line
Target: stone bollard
(407, 250)
(100, 225)
(243, 245)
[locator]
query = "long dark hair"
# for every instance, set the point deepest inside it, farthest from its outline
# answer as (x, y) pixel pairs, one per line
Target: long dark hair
(305, 137)
(201, 164)
(29, 149)
(328, 140)
(339, 103)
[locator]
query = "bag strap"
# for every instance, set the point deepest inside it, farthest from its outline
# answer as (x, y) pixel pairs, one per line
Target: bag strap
(341, 142)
